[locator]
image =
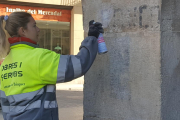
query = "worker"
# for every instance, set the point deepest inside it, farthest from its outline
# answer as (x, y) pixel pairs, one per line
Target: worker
(29, 74)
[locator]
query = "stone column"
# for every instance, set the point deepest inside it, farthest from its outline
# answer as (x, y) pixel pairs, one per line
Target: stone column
(125, 83)
(170, 59)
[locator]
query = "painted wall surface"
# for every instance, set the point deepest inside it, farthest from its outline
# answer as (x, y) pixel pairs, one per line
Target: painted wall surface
(124, 84)
(170, 42)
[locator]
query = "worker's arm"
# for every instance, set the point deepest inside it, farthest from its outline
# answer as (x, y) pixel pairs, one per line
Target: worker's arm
(70, 66)
(55, 68)
(73, 66)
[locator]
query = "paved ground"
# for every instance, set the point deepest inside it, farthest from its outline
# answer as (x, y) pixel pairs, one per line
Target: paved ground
(70, 105)
(70, 101)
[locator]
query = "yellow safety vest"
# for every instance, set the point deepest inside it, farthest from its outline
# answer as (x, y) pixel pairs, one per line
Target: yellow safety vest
(27, 69)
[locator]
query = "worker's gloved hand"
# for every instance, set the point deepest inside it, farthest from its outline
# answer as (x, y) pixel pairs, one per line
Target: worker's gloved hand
(95, 29)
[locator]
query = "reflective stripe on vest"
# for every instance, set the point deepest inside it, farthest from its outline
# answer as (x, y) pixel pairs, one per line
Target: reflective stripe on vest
(15, 100)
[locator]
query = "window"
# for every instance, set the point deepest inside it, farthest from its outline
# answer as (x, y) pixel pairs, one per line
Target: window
(54, 36)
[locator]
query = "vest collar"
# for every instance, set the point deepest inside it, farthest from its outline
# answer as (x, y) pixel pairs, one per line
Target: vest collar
(22, 40)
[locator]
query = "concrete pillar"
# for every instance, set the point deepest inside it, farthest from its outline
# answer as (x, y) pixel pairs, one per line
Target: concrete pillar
(170, 62)
(125, 83)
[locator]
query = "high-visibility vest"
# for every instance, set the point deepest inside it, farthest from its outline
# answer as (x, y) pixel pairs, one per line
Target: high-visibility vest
(30, 71)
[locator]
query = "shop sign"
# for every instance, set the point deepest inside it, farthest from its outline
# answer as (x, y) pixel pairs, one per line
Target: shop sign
(38, 13)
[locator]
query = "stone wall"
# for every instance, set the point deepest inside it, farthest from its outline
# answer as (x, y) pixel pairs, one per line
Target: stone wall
(170, 54)
(125, 83)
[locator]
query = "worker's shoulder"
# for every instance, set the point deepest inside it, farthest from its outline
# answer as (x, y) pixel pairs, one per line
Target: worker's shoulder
(39, 50)
(42, 50)
(45, 52)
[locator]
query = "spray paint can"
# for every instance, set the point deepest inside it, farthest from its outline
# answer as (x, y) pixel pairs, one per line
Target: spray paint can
(101, 44)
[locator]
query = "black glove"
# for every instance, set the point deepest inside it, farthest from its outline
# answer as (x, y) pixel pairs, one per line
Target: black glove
(95, 29)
